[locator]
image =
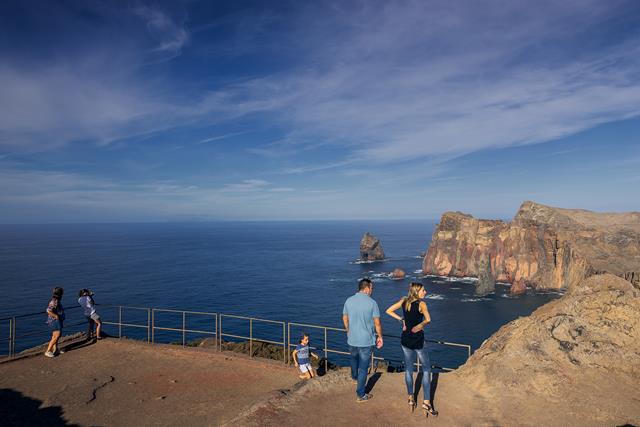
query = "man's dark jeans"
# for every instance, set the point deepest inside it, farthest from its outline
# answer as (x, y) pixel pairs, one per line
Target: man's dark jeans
(360, 361)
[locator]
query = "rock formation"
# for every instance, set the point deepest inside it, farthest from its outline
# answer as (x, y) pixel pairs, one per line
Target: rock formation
(397, 274)
(543, 247)
(486, 283)
(370, 248)
(580, 352)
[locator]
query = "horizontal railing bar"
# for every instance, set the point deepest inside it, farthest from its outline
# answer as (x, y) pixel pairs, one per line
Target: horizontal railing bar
(184, 311)
(125, 324)
(279, 322)
(40, 313)
(317, 326)
(185, 330)
(124, 306)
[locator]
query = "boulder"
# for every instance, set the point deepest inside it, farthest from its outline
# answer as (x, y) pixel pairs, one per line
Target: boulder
(397, 274)
(518, 287)
(371, 248)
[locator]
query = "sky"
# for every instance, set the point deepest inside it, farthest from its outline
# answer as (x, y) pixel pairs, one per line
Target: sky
(201, 110)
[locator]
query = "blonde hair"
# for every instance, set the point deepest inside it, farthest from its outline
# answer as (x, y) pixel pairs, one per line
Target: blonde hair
(414, 290)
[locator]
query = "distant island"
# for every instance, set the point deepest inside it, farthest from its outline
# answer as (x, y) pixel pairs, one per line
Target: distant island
(543, 247)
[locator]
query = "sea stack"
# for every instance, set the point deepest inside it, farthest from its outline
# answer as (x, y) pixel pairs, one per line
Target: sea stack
(371, 248)
(397, 274)
(486, 282)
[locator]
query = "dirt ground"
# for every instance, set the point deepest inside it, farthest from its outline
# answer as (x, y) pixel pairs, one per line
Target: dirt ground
(122, 382)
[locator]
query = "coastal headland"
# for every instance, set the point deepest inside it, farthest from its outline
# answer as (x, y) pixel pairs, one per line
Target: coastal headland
(543, 247)
(573, 362)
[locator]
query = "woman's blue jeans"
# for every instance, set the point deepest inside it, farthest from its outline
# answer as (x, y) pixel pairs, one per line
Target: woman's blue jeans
(409, 360)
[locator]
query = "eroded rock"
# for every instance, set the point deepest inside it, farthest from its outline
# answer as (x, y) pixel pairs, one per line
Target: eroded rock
(371, 248)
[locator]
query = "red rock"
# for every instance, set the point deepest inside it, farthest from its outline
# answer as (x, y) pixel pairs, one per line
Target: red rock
(518, 287)
(397, 274)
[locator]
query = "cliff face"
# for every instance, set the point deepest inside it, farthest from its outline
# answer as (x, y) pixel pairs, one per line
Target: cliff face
(543, 247)
(371, 248)
(587, 340)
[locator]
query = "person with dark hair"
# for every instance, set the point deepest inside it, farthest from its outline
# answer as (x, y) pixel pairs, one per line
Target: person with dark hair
(85, 299)
(415, 318)
(361, 318)
(301, 358)
(55, 320)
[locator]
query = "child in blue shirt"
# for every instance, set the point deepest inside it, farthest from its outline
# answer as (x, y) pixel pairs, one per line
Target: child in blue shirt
(301, 358)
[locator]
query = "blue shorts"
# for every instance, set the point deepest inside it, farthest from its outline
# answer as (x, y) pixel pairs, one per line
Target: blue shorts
(56, 325)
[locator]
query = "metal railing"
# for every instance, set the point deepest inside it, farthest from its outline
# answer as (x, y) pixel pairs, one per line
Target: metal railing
(217, 331)
(251, 337)
(13, 335)
(184, 330)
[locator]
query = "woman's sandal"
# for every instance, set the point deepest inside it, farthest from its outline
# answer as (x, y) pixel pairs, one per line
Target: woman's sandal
(412, 403)
(427, 407)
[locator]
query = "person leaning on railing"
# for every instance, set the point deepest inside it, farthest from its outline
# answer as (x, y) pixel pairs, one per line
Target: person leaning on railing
(55, 320)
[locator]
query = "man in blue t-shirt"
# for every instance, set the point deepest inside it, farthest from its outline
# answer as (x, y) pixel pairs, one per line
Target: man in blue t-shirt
(361, 318)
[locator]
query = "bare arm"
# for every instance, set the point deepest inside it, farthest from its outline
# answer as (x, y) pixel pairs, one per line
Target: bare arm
(391, 311)
(378, 326)
(295, 357)
(345, 321)
(427, 318)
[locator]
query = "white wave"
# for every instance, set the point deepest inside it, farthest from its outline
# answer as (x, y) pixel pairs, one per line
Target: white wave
(417, 272)
(474, 299)
(435, 297)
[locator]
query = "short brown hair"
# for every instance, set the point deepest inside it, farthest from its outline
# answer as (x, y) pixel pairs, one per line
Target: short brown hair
(364, 284)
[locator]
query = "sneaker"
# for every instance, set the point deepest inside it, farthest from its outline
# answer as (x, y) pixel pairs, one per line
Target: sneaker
(49, 354)
(367, 397)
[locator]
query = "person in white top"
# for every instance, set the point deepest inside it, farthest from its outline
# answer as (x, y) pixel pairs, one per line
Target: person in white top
(86, 302)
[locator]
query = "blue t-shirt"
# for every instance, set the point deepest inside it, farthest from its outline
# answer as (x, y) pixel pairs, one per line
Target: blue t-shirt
(361, 309)
(303, 354)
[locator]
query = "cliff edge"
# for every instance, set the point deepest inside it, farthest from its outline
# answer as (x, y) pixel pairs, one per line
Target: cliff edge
(542, 247)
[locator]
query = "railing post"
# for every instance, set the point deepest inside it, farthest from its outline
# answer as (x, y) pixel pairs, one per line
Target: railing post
(10, 337)
(250, 337)
(183, 327)
(119, 321)
(288, 342)
(13, 338)
(150, 325)
(220, 331)
(326, 355)
(284, 344)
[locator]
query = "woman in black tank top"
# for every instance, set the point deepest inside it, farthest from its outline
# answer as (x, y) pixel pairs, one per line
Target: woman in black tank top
(415, 318)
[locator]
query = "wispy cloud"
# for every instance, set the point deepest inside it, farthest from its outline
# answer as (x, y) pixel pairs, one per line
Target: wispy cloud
(170, 36)
(219, 137)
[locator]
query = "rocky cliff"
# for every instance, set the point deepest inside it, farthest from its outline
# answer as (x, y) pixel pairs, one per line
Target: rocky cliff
(579, 354)
(542, 247)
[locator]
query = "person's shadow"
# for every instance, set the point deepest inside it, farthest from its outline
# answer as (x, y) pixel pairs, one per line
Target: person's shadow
(19, 410)
(373, 379)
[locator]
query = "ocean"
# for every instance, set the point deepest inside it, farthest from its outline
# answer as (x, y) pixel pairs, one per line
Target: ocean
(285, 271)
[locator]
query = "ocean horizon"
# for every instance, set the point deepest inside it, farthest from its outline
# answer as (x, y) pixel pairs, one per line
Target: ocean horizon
(291, 271)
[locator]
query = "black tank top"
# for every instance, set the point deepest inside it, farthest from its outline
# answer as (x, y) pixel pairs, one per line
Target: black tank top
(411, 319)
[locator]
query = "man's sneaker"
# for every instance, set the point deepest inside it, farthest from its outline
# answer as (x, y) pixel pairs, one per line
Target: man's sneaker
(49, 354)
(365, 398)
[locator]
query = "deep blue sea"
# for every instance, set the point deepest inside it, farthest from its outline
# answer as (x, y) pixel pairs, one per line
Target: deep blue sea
(286, 271)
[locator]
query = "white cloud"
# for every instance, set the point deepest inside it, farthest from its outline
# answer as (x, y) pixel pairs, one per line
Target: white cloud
(171, 37)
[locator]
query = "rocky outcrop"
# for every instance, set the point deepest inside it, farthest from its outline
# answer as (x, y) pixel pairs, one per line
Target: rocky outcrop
(542, 247)
(581, 351)
(486, 283)
(371, 248)
(397, 274)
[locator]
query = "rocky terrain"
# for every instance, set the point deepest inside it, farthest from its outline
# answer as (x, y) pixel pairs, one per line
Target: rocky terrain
(579, 354)
(371, 248)
(542, 247)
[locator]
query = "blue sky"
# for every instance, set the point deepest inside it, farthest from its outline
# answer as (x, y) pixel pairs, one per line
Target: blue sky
(201, 110)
